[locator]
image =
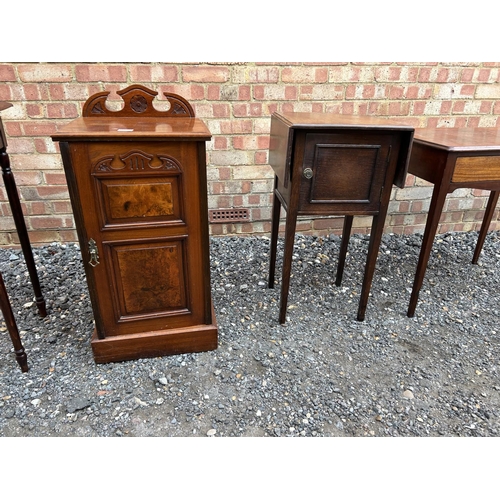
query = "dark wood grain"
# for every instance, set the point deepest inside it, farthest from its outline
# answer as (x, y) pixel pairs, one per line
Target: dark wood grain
(334, 165)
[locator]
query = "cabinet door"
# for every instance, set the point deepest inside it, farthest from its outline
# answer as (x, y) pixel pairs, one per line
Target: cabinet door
(346, 171)
(142, 218)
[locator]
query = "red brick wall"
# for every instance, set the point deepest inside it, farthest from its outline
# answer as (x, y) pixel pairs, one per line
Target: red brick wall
(236, 101)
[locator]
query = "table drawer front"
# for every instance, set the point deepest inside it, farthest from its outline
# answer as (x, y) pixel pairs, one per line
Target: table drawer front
(476, 169)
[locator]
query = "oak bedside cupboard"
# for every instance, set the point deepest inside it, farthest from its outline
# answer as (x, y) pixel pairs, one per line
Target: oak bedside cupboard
(327, 164)
(137, 183)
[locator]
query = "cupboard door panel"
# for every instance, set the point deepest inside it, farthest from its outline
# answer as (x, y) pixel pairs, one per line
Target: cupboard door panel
(140, 200)
(333, 168)
(148, 237)
(345, 171)
(149, 278)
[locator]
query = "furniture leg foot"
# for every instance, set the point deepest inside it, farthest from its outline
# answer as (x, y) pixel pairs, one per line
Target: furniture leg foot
(22, 359)
(42, 309)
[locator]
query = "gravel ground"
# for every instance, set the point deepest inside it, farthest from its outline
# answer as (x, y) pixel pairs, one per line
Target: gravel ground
(323, 373)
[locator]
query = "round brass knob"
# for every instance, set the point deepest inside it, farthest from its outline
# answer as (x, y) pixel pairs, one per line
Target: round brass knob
(307, 173)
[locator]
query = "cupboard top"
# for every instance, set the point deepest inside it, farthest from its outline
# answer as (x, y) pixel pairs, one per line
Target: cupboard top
(460, 139)
(330, 120)
(285, 127)
(109, 128)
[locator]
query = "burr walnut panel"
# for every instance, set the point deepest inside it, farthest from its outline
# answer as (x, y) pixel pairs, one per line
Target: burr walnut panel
(139, 201)
(149, 278)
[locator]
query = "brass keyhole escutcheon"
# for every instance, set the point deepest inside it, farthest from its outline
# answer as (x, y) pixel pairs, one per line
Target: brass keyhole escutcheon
(307, 173)
(94, 253)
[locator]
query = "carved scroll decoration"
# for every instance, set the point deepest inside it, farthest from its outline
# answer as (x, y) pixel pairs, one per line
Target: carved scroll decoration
(134, 161)
(138, 100)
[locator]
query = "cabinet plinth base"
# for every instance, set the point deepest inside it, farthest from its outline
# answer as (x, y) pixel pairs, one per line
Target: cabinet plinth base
(198, 338)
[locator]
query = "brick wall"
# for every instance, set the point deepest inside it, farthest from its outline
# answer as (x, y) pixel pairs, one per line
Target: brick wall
(236, 101)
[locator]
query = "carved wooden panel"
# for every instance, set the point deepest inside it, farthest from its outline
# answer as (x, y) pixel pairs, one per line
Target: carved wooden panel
(149, 278)
(136, 161)
(138, 101)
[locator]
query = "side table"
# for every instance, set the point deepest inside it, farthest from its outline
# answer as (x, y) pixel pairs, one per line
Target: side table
(327, 164)
(453, 158)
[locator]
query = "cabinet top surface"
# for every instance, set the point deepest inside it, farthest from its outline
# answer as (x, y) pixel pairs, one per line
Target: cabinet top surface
(331, 120)
(95, 128)
(460, 139)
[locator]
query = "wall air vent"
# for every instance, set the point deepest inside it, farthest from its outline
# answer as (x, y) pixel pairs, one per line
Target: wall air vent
(228, 215)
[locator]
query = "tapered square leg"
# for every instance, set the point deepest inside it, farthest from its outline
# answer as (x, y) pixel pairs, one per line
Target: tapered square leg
(488, 215)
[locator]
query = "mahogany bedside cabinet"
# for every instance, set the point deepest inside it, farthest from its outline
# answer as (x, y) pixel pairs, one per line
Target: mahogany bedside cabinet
(453, 158)
(327, 164)
(137, 183)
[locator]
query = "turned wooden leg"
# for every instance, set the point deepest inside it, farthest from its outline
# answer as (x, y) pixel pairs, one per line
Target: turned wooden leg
(10, 321)
(17, 213)
(435, 210)
(488, 215)
(275, 223)
(346, 234)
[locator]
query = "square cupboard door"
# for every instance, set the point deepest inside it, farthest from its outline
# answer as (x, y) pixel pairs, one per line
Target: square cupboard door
(346, 171)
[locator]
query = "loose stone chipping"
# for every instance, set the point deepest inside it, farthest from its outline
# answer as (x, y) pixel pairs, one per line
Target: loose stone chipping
(323, 373)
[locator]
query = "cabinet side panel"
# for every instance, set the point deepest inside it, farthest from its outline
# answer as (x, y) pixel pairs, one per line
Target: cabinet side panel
(280, 150)
(204, 231)
(70, 156)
